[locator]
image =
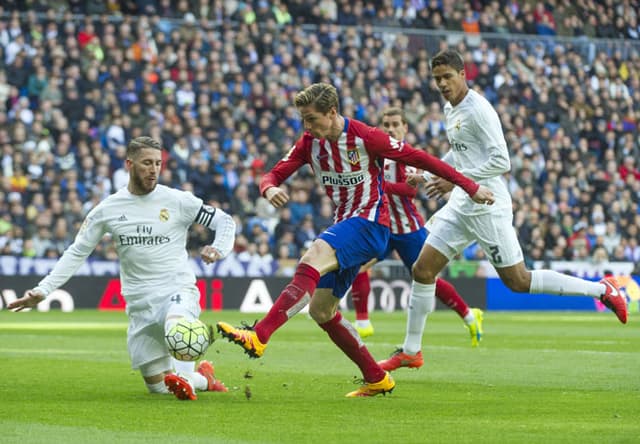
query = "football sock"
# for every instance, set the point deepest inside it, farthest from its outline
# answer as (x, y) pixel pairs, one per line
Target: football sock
(186, 369)
(294, 297)
(421, 302)
(448, 295)
(469, 318)
(360, 290)
(347, 339)
(183, 366)
(158, 387)
(363, 323)
(198, 381)
(552, 282)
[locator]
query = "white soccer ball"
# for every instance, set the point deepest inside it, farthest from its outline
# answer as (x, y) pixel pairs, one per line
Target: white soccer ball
(188, 340)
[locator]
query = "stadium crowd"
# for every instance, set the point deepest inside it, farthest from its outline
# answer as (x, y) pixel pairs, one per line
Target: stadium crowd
(213, 81)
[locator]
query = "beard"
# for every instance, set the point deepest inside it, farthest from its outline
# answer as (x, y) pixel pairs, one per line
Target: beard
(141, 185)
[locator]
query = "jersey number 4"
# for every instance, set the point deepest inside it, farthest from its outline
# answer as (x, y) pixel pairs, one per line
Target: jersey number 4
(176, 298)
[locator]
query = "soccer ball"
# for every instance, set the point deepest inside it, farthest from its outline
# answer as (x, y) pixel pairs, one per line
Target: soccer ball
(188, 340)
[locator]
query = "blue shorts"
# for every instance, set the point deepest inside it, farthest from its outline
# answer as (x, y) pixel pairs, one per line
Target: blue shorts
(407, 245)
(356, 241)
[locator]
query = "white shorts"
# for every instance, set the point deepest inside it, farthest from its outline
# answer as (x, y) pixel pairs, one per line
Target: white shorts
(145, 336)
(451, 232)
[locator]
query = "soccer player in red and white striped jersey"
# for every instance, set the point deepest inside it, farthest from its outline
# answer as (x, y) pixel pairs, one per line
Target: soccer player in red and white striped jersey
(347, 156)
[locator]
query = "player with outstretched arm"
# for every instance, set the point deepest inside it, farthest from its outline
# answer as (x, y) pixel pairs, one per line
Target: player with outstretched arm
(149, 223)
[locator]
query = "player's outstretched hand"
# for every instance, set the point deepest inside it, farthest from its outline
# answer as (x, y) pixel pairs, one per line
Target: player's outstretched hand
(30, 300)
(209, 254)
(276, 196)
(484, 196)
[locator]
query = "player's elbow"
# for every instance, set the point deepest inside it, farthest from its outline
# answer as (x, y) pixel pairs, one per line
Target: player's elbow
(504, 164)
(231, 224)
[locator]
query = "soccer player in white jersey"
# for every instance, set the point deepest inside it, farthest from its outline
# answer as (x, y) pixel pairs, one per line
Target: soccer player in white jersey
(148, 223)
(479, 150)
(347, 157)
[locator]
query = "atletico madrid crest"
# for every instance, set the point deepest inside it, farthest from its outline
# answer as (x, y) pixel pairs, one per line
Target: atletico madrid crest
(353, 155)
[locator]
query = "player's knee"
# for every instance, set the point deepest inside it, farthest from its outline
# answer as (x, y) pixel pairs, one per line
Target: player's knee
(422, 274)
(320, 314)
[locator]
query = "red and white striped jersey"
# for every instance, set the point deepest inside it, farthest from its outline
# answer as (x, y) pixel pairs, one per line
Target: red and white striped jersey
(350, 169)
(403, 213)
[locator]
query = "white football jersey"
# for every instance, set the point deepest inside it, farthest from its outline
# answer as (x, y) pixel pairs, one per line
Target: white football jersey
(479, 151)
(150, 235)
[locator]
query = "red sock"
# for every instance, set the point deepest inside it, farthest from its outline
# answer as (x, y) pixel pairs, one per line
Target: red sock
(346, 338)
(449, 296)
(360, 290)
(292, 299)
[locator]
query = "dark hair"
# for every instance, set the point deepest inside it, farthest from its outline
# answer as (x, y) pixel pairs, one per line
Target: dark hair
(448, 57)
(395, 111)
(321, 95)
(137, 144)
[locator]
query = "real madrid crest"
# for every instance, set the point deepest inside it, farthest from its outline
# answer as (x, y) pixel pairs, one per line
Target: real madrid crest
(164, 215)
(458, 125)
(353, 156)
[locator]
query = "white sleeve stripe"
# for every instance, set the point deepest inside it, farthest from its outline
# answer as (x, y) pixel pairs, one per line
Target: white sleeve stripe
(205, 215)
(222, 224)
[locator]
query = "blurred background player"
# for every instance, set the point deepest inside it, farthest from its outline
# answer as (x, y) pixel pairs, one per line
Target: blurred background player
(407, 237)
(479, 150)
(347, 157)
(148, 223)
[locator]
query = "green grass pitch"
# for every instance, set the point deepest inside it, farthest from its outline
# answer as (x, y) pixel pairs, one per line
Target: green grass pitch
(537, 378)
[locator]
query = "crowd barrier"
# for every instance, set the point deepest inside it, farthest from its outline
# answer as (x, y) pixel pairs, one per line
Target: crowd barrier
(256, 295)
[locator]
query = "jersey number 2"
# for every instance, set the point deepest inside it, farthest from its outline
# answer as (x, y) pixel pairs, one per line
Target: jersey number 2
(495, 254)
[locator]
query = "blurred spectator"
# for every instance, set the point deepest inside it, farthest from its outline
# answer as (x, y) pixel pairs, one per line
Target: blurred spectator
(300, 206)
(73, 88)
(305, 232)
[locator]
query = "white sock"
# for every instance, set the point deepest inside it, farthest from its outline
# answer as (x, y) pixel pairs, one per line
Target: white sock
(363, 323)
(552, 282)
(186, 369)
(158, 387)
(421, 302)
(469, 318)
(183, 366)
(198, 381)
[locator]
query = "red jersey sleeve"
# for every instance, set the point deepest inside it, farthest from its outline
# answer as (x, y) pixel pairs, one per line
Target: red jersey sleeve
(295, 158)
(381, 144)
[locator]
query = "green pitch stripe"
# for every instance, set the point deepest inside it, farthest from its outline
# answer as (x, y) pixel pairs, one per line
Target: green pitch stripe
(63, 326)
(49, 351)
